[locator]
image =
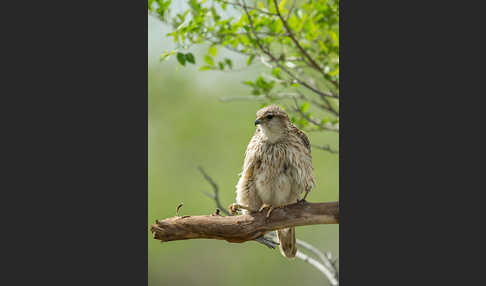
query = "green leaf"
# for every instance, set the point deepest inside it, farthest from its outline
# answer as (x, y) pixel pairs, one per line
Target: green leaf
(250, 60)
(276, 72)
(150, 2)
(250, 83)
(228, 63)
(221, 65)
(205, 68)
(281, 6)
(181, 58)
(194, 5)
(324, 121)
(304, 107)
(190, 58)
(209, 60)
(165, 55)
(213, 50)
(260, 82)
(215, 14)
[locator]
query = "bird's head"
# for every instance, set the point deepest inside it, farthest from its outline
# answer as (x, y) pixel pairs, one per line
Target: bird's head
(273, 121)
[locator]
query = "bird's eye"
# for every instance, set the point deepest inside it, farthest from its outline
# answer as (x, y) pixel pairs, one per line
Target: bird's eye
(269, 117)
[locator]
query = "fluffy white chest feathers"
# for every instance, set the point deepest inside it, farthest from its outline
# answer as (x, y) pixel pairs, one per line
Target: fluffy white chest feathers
(273, 176)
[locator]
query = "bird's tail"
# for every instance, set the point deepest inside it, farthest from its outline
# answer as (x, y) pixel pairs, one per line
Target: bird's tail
(286, 238)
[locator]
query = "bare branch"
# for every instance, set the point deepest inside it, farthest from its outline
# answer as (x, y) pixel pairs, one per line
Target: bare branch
(319, 254)
(330, 108)
(332, 279)
(215, 197)
(246, 227)
(331, 272)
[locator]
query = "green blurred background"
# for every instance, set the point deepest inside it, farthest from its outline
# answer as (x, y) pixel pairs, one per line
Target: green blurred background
(189, 126)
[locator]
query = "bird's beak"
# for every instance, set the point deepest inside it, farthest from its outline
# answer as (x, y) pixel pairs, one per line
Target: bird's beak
(257, 122)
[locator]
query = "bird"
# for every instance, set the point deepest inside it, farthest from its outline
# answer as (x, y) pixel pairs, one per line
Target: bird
(277, 169)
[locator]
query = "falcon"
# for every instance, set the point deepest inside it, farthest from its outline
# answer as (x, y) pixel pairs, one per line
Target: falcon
(276, 171)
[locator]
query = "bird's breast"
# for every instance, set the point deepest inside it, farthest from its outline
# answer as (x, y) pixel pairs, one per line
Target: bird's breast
(272, 177)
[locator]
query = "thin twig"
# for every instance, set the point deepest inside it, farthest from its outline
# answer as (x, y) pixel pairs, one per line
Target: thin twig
(326, 148)
(215, 197)
(329, 265)
(291, 10)
(327, 107)
(332, 270)
(178, 207)
(317, 124)
(319, 266)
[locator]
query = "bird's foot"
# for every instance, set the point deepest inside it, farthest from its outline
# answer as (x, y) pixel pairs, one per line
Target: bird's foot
(271, 208)
(266, 206)
(301, 201)
(234, 208)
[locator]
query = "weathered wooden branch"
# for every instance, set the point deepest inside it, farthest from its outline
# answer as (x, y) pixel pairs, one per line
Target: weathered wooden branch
(243, 228)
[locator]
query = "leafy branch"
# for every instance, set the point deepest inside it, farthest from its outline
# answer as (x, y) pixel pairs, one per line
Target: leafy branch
(299, 42)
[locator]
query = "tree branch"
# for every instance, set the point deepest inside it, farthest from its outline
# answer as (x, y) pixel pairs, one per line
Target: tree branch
(330, 276)
(243, 228)
(326, 267)
(215, 197)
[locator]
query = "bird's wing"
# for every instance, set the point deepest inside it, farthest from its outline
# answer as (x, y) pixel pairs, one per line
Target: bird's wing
(305, 176)
(246, 189)
(302, 136)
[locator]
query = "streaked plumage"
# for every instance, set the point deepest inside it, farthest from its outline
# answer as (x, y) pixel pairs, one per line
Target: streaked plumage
(277, 168)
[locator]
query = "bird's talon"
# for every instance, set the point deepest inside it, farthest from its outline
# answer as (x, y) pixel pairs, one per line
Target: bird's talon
(269, 211)
(234, 208)
(263, 207)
